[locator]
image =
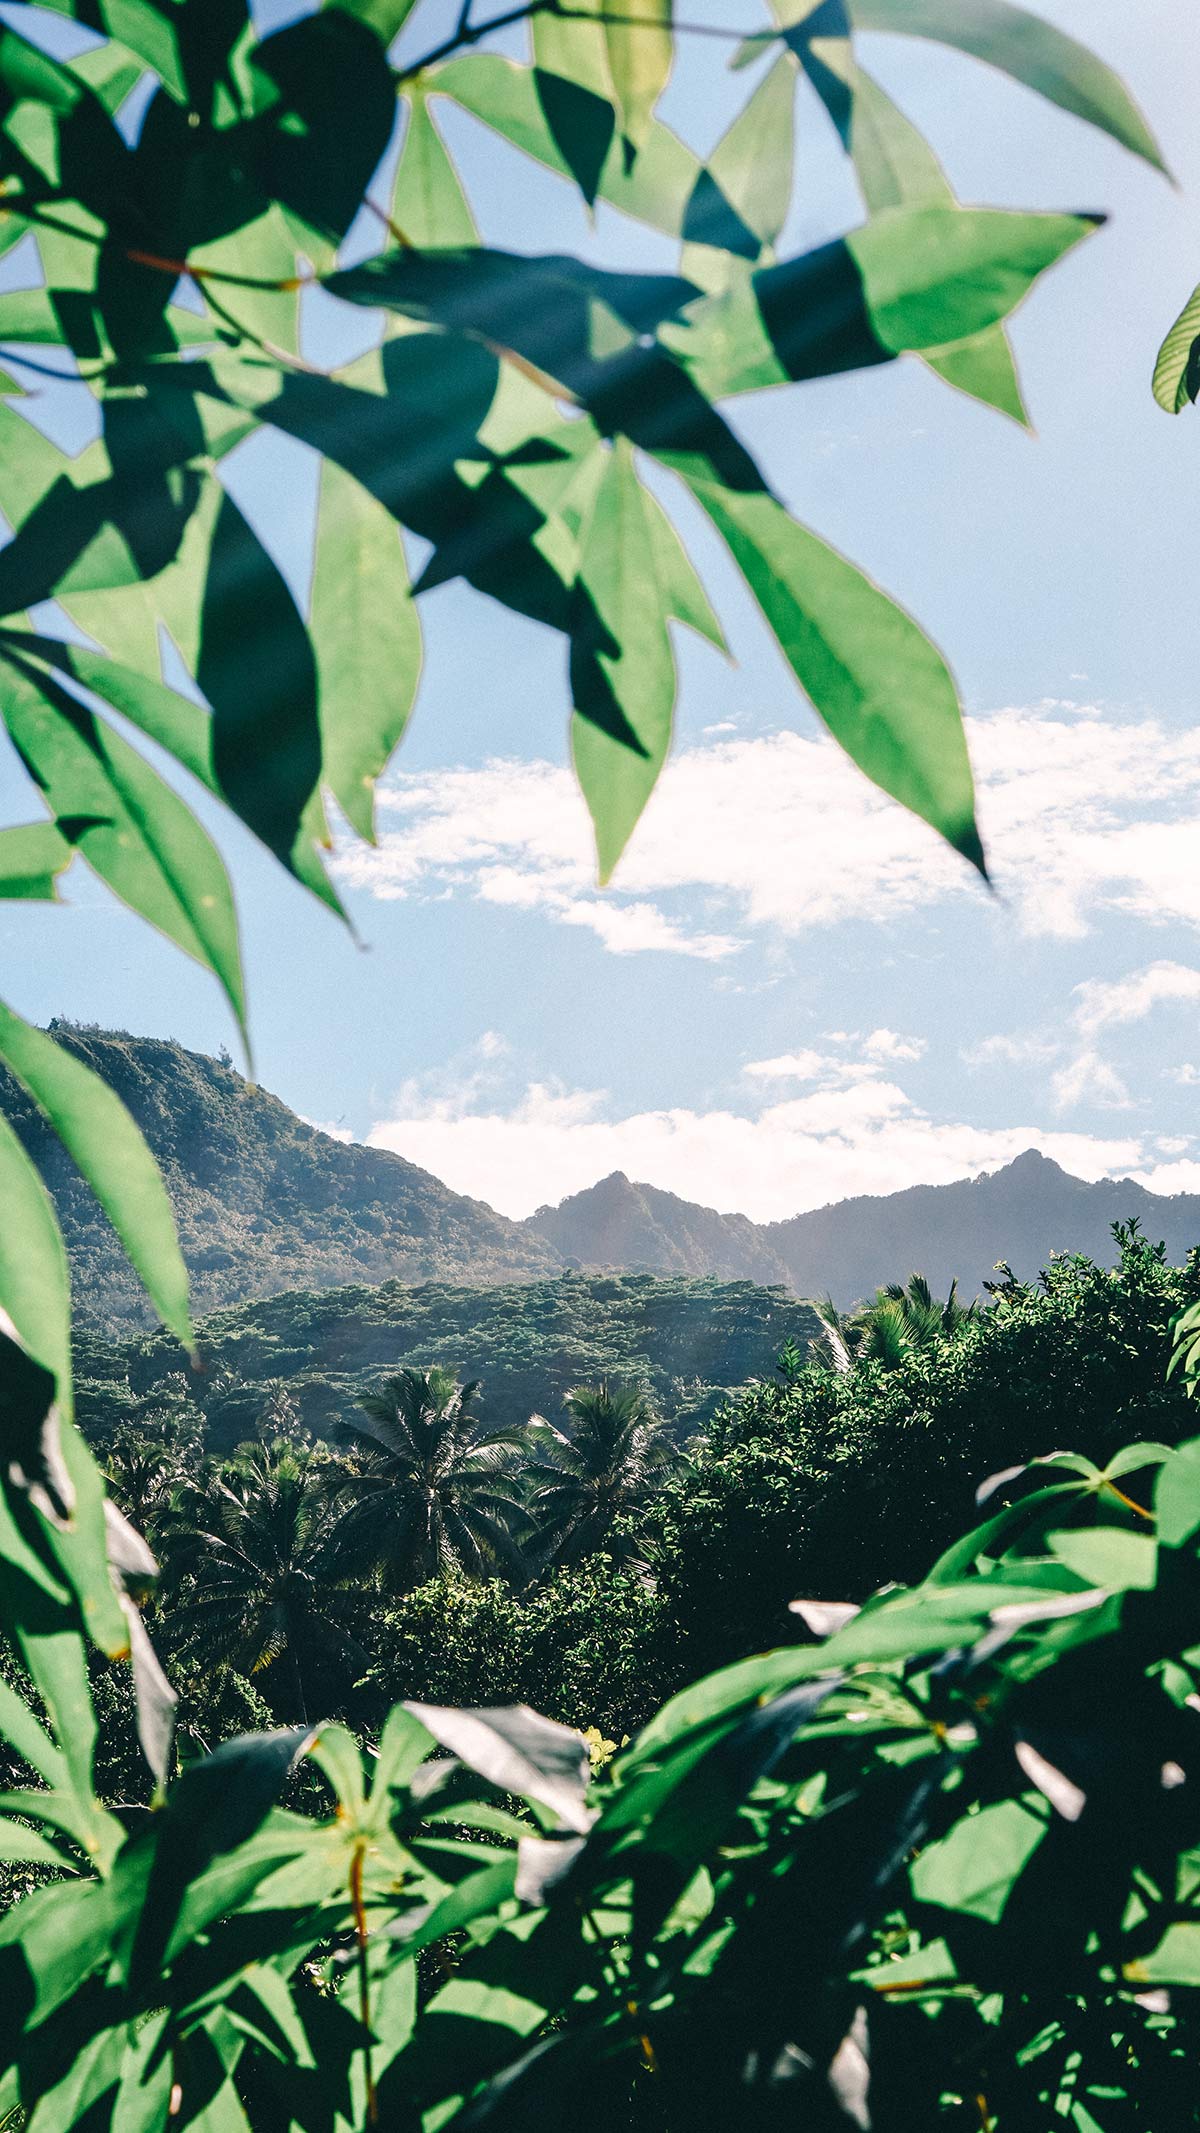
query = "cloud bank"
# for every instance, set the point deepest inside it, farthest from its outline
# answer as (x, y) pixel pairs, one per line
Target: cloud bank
(1083, 815)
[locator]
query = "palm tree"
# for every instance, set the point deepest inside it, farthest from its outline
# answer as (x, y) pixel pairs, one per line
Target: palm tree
(257, 1536)
(604, 1469)
(434, 1485)
(903, 1319)
(143, 1473)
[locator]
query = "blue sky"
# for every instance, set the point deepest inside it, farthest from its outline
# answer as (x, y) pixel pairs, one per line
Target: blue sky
(791, 992)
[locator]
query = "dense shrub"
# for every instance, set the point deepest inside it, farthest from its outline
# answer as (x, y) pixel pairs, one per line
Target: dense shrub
(589, 1646)
(834, 1486)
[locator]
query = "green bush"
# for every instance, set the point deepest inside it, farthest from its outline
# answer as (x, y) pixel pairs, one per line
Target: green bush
(838, 1485)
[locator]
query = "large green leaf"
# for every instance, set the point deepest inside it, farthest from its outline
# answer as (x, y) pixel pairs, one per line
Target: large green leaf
(35, 1287)
(32, 856)
(138, 24)
(975, 1867)
(882, 688)
(640, 50)
(574, 90)
(1032, 51)
(128, 823)
(429, 205)
(367, 640)
(101, 1138)
(634, 575)
(518, 1751)
(911, 279)
(896, 167)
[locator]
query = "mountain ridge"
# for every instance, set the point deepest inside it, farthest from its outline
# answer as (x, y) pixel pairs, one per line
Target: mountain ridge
(1024, 1212)
(266, 1203)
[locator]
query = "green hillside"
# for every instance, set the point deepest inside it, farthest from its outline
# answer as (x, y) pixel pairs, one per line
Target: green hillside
(263, 1201)
(306, 1355)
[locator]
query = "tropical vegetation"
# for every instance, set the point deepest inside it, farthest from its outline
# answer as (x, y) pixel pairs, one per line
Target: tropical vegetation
(935, 1865)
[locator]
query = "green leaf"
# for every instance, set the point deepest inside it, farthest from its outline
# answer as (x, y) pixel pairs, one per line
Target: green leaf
(1177, 1496)
(257, 669)
(1177, 370)
(870, 672)
(34, 1283)
(327, 105)
(914, 279)
(935, 275)
(386, 17)
(334, 1749)
(1175, 1961)
(131, 828)
(574, 89)
(1108, 1556)
(1031, 51)
(519, 1752)
(367, 640)
(103, 1141)
(25, 1845)
(752, 162)
(974, 1867)
(403, 1747)
(640, 50)
(622, 664)
(985, 369)
(896, 167)
(428, 203)
(137, 24)
(634, 576)
(32, 857)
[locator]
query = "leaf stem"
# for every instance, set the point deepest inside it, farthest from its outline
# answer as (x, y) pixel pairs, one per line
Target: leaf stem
(364, 1978)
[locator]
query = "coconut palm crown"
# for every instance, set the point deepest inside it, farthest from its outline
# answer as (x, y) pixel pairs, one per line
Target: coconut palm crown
(591, 1483)
(257, 1538)
(433, 1487)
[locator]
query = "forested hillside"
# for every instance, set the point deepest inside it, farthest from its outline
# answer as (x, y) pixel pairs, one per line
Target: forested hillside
(263, 1201)
(306, 1357)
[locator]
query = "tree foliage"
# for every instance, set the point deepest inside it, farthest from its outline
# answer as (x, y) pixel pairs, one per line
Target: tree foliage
(222, 1960)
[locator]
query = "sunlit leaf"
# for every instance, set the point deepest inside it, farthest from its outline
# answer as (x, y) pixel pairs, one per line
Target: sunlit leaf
(367, 639)
(428, 203)
(1031, 50)
(101, 1138)
(32, 856)
(882, 688)
(640, 49)
(34, 1283)
(125, 820)
(1177, 370)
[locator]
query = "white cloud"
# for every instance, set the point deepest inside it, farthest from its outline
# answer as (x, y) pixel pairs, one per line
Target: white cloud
(333, 1133)
(1019, 1049)
(789, 1066)
(884, 1044)
(861, 1137)
(1082, 815)
(1187, 1075)
(1089, 1079)
(1103, 1002)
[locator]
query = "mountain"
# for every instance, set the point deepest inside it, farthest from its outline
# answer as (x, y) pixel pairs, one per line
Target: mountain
(1023, 1213)
(264, 1202)
(308, 1356)
(616, 1223)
